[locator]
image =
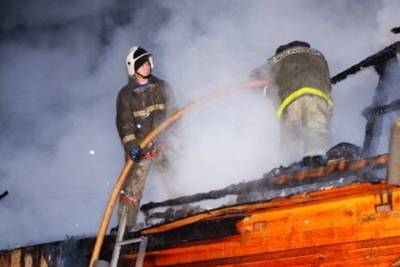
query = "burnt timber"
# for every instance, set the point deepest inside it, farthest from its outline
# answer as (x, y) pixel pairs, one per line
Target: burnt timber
(282, 180)
(4, 194)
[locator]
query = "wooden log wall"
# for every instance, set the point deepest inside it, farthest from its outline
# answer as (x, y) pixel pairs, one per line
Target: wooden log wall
(356, 225)
(40, 256)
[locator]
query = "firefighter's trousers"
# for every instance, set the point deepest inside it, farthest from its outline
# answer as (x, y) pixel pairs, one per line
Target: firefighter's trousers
(305, 128)
(132, 191)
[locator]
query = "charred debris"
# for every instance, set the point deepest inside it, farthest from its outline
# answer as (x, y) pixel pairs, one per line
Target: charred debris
(3, 195)
(396, 30)
(347, 163)
(279, 182)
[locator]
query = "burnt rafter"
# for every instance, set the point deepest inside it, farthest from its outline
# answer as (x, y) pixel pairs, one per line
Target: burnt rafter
(381, 110)
(282, 178)
(336, 167)
(4, 194)
(374, 60)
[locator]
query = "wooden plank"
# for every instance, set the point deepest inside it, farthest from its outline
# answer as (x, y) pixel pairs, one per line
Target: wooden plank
(277, 203)
(5, 260)
(302, 260)
(324, 214)
(16, 258)
(43, 261)
(362, 230)
(377, 251)
(28, 260)
(323, 254)
(253, 245)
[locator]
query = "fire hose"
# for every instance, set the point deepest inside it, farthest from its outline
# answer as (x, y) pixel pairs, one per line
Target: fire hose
(153, 134)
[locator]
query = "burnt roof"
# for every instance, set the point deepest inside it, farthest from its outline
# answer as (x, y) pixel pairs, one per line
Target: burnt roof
(279, 182)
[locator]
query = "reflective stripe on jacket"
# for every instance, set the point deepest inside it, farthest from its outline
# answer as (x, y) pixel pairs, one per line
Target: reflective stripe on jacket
(140, 109)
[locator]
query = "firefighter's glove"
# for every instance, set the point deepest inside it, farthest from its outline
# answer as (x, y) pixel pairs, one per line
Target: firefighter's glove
(135, 153)
(149, 151)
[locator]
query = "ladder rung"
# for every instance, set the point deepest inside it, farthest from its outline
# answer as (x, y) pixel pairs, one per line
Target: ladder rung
(129, 241)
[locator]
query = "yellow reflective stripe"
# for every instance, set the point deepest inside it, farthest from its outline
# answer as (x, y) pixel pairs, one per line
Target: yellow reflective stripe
(140, 113)
(300, 92)
(155, 107)
(148, 110)
(128, 138)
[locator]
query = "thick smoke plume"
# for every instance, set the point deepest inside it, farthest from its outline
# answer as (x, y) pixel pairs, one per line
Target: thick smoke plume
(62, 66)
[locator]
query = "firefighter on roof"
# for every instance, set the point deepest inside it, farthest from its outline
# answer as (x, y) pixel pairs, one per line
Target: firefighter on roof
(299, 78)
(141, 105)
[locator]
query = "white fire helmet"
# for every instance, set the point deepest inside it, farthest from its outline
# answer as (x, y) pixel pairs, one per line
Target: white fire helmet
(137, 56)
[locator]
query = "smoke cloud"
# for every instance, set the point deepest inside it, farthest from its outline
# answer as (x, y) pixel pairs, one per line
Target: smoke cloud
(62, 66)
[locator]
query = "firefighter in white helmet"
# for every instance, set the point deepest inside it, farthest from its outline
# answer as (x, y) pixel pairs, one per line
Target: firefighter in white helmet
(141, 105)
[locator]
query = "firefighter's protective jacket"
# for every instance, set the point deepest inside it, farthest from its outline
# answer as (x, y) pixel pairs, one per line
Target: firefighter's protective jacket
(295, 72)
(140, 109)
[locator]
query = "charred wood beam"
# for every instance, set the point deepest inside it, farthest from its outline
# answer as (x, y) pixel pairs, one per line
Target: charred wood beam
(4, 194)
(277, 181)
(371, 112)
(198, 231)
(374, 60)
(337, 167)
(373, 128)
(233, 189)
(369, 136)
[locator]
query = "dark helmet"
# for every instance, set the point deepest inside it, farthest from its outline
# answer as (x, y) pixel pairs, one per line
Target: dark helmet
(344, 150)
(290, 45)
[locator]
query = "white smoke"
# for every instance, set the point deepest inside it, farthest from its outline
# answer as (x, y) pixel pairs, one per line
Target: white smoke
(60, 77)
